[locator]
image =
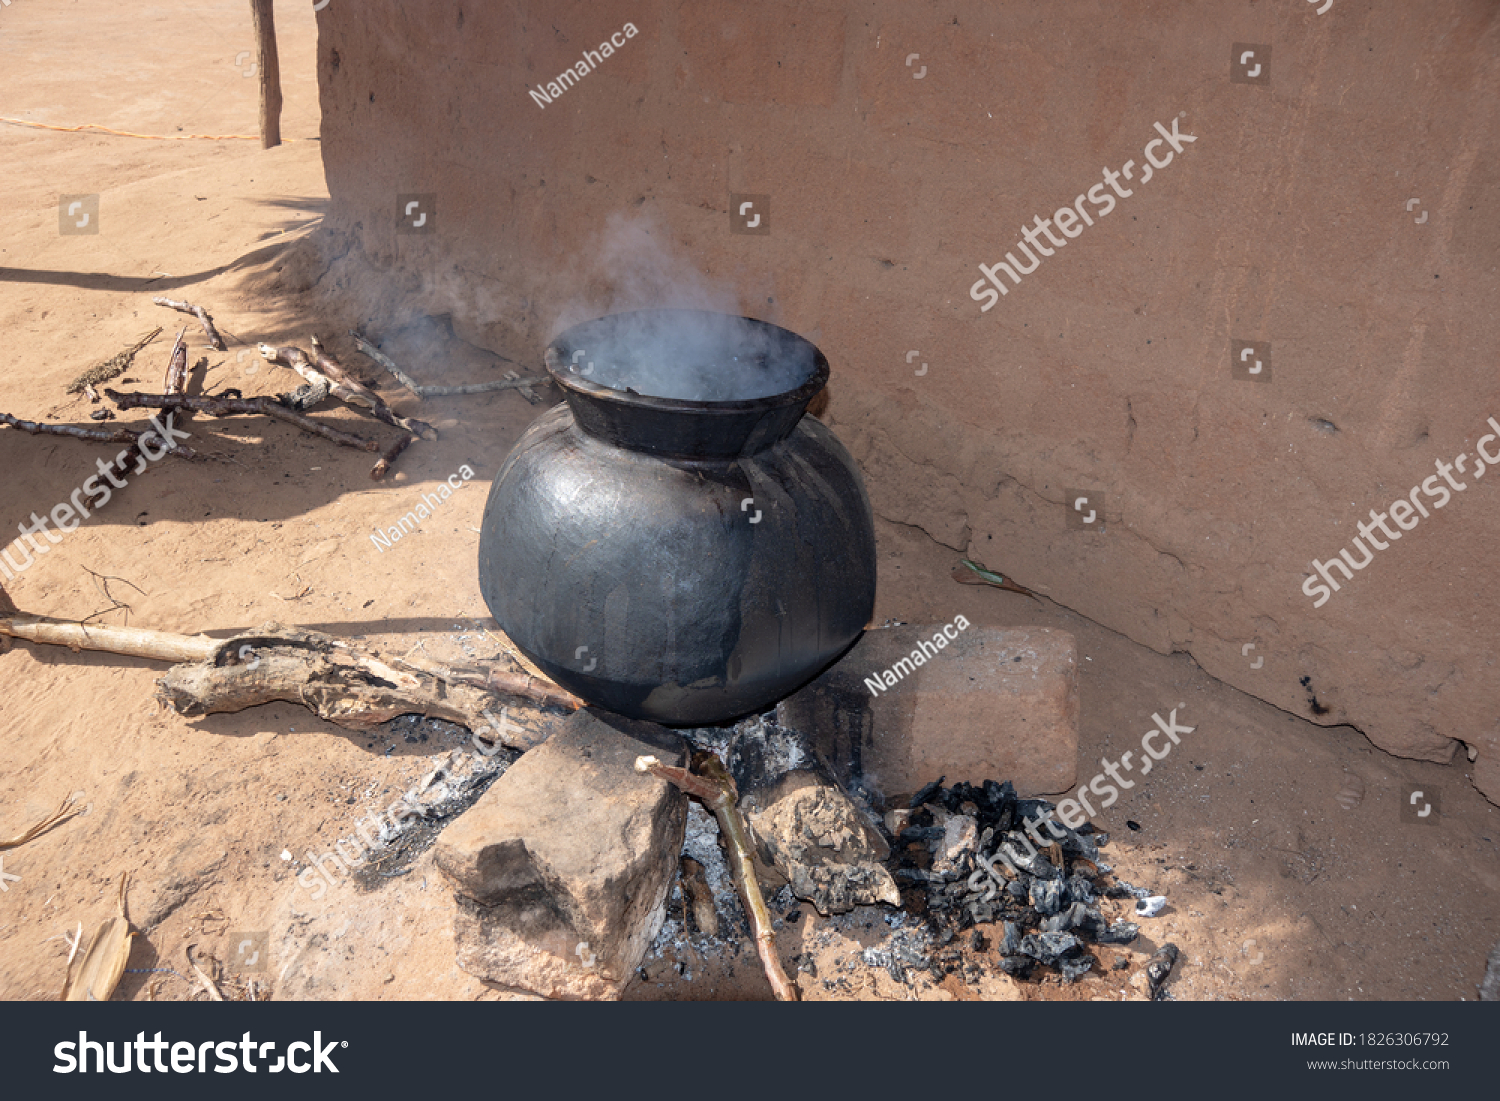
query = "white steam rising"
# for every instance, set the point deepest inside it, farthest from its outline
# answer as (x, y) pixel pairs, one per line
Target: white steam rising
(714, 356)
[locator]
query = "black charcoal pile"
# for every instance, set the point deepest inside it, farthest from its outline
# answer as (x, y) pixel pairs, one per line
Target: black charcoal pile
(969, 851)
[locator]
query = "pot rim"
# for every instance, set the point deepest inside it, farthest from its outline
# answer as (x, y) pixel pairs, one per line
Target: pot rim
(559, 347)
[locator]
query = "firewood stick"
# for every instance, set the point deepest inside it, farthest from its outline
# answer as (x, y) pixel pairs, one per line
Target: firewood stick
(385, 361)
(135, 642)
(442, 391)
(97, 435)
(529, 685)
(325, 362)
(215, 341)
(226, 407)
(713, 785)
(176, 381)
(343, 683)
(484, 387)
(378, 471)
(342, 386)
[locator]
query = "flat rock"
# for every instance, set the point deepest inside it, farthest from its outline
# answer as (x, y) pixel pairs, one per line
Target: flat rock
(989, 704)
(561, 869)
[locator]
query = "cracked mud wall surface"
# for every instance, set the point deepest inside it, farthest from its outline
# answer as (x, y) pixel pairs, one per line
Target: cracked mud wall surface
(1295, 219)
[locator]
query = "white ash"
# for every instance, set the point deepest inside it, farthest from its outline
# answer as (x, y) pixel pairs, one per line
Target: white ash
(701, 842)
(782, 749)
(448, 788)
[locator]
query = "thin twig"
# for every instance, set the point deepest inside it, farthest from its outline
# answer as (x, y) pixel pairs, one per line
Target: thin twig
(104, 590)
(484, 387)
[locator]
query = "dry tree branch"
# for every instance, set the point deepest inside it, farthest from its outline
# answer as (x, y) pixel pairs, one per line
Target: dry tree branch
(215, 341)
(443, 391)
(328, 371)
(344, 684)
(385, 361)
(95, 435)
(228, 407)
(135, 642)
(175, 383)
(714, 787)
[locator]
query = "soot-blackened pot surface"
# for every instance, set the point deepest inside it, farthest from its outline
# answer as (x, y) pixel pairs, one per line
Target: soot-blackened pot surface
(677, 560)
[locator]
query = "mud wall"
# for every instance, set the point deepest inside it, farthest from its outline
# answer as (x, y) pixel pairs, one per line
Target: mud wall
(1262, 241)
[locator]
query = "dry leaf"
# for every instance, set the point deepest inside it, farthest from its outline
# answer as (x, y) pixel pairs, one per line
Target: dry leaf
(104, 963)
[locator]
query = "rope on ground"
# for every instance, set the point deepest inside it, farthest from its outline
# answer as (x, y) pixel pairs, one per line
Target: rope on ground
(128, 134)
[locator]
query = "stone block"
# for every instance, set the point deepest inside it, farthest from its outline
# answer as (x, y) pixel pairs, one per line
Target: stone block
(562, 867)
(989, 704)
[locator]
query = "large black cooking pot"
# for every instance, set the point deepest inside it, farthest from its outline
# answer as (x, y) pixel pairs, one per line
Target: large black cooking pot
(679, 560)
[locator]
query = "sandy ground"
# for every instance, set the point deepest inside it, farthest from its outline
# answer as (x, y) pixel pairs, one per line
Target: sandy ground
(1289, 868)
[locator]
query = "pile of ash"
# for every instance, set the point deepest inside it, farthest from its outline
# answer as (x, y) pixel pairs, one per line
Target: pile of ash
(981, 854)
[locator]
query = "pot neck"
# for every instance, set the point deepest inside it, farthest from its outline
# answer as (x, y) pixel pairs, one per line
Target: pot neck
(684, 430)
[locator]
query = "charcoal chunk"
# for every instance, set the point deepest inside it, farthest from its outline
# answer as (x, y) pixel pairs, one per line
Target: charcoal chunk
(1029, 860)
(1029, 810)
(1075, 967)
(1075, 844)
(1048, 947)
(1089, 922)
(981, 913)
(923, 833)
(926, 794)
(1010, 944)
(1121, 932)
(1018, 967)
(1047, 895)
(1160, 967)
(1080, 889)
(998, 796)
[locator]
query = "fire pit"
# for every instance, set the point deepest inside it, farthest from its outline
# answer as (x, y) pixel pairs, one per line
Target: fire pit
(679, 542)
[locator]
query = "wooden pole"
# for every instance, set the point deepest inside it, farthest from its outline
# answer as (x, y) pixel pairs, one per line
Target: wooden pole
(262, 16)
